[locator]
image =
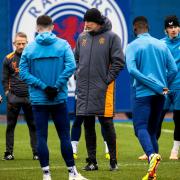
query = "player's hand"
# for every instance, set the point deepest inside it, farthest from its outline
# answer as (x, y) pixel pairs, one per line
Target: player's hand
(165, 91)
(51, 92)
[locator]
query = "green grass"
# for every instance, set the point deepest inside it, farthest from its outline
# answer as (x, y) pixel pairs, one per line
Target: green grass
(24, 168)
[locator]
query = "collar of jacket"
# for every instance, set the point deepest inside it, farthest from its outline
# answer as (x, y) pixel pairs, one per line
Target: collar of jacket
(18, 54)
(177, 38)
(143, 34)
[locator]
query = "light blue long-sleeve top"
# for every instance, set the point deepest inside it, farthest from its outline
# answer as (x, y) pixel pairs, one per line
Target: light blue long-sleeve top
(150, 64)
(174, 46)
(48, 61)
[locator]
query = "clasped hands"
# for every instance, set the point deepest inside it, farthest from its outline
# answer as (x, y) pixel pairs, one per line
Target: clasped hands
(51, 92)
(165, 91)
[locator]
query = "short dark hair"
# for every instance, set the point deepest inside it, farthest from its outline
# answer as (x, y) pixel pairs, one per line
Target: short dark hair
(141, 22)
(44, 21)
(140, 19)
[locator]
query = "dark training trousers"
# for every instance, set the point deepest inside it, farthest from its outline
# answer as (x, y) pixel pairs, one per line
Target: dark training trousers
(146, 116)
(173, 99)
(13, 110)
(76, 129)
(90, 136)
(61, 121)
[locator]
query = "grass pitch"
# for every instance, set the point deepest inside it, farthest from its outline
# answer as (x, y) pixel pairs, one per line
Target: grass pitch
(24, 168)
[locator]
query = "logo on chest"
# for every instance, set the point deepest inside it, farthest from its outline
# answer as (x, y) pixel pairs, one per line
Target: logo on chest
(101, 40)
(84, 42)
(14, 66)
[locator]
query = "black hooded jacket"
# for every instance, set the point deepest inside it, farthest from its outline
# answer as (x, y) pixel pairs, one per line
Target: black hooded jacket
(100, 59)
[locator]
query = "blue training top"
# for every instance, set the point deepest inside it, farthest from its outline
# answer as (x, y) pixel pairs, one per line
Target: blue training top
(151, 65)
(174, 46)
(48, 61)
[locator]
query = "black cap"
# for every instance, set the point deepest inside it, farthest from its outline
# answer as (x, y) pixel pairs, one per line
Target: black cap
(94, 15)
(171, 21)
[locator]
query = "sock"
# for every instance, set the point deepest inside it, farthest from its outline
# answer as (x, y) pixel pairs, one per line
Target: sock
(150, 157)
(176, 146)
(46, 170)
(106, 147)
(72, 171)
(75, 146)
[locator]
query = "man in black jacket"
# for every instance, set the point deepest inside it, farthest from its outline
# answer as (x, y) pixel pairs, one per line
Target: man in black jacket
(17, 95)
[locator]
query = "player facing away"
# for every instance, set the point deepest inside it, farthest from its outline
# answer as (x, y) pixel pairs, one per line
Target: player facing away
(152, 68)
(46, 66)
(172, 40)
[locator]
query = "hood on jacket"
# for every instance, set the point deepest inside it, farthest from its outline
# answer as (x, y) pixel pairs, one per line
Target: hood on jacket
(107, 26)
(46, 38)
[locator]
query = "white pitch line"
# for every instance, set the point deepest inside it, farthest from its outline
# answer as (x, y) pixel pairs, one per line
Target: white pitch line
(131, 126)
(102, 164)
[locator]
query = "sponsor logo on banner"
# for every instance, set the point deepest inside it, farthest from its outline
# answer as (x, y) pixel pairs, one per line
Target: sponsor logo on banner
(67, 16)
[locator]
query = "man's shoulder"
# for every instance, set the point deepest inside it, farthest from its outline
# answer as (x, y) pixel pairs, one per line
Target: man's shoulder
(136, 45)
(60, 42)
(83, 35)
(10, 55)
(133, 42)
(111, 34)
(31, 45)
(160, 42)
(164, 39)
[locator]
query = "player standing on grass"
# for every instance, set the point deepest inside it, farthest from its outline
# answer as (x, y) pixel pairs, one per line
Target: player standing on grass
(100, 59)
(76, 130)
(152, 68)
(17, 95)
(172, 41)
(46, 65)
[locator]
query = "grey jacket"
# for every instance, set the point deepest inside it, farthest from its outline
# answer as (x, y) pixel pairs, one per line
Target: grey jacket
(100, 58)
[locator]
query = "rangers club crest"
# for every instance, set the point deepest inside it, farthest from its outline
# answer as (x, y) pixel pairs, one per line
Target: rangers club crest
(67, 16)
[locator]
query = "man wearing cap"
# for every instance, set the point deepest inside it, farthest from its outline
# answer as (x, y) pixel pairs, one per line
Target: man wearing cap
(100, 58)
(152, 68)
(172, 41)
